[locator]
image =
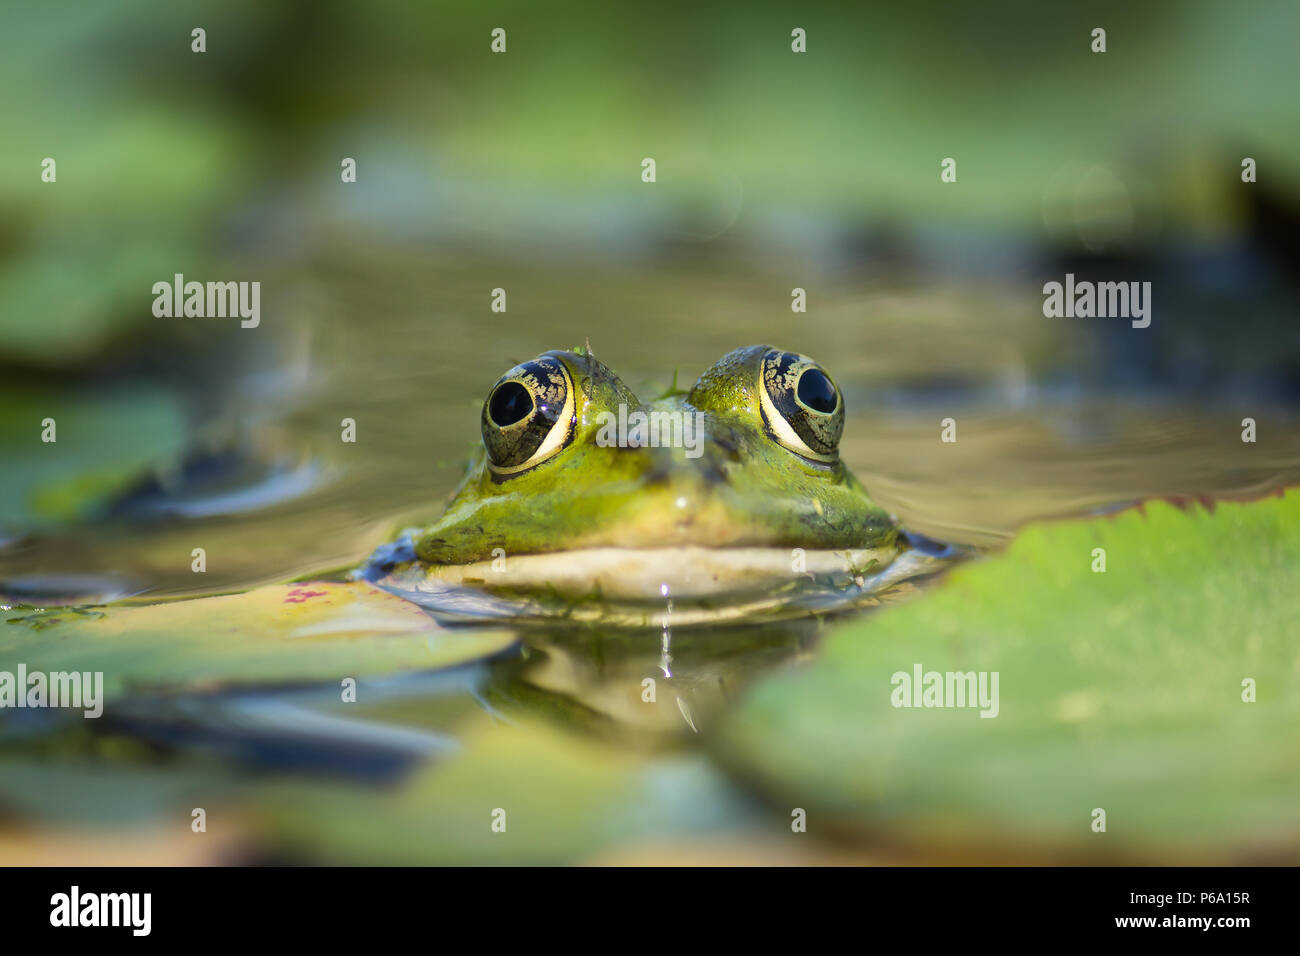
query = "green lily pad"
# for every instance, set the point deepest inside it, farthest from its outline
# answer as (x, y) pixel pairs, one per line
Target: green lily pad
(300, 633)
(1119, 691)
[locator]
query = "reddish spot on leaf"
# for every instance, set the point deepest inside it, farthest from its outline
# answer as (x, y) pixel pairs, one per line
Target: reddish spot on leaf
(298, 595)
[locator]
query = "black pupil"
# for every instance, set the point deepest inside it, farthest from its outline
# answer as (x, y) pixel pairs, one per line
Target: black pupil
(510, 403)
(816, 391)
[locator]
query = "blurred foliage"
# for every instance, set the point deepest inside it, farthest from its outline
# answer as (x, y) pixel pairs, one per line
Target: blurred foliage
(108, 792)
(562, 798)
(1120, 690)
(548, 137)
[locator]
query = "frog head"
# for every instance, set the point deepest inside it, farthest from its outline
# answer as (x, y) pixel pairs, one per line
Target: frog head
(572, 459)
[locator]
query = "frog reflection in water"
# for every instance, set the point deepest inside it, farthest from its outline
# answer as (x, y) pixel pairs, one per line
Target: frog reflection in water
(732, 493)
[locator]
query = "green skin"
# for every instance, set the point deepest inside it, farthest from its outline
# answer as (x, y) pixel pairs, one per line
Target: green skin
(744, 489)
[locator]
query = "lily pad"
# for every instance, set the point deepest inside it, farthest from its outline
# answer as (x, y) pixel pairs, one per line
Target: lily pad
(301, 633)
(1125, 691)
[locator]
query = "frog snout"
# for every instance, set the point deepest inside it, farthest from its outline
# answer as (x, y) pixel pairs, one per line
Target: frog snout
(688, 472)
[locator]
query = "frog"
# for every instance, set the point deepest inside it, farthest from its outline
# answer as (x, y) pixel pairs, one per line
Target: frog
(717, 501)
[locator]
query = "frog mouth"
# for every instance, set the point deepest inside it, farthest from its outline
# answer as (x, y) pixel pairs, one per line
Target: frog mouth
(666, 586)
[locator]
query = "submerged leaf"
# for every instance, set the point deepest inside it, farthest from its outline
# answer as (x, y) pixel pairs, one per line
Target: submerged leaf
(518, 795)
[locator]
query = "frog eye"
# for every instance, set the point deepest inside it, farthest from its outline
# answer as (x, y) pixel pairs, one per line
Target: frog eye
(801, 406)
(528, 416)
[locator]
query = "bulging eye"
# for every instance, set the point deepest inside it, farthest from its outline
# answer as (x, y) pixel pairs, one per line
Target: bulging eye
(801, 406)
(528, 416)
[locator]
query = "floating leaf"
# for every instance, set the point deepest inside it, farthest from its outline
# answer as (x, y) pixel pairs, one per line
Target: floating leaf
(1119, 690)
(317, 631)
